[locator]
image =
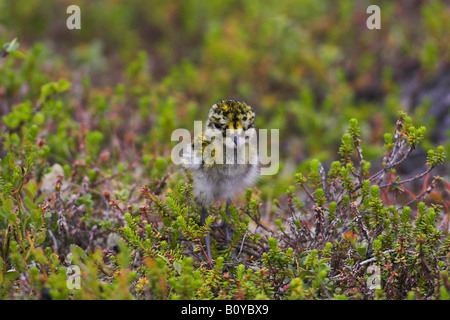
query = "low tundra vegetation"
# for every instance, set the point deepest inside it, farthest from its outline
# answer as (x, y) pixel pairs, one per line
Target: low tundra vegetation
(92, 207)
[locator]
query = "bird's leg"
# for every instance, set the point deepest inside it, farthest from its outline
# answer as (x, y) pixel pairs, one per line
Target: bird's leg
(203, 216)
(226, 225)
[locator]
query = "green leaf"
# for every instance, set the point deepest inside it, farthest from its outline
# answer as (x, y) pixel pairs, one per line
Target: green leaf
(47, 89)
(362, 251)
(17, 54)
(444, 295)
(11, 218)
(77, 251)
(12, 274)
(36, 216)
(40, 238)
(8, 205)
(32, 188)
(124, 256)
(63, 85)
(54, 87)
(177, 267)
(30, 160)
(11, 46)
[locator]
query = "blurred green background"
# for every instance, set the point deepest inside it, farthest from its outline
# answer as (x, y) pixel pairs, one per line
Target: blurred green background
(139, 69)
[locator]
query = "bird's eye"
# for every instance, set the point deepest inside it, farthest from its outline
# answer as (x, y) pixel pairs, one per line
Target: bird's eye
(216, 125)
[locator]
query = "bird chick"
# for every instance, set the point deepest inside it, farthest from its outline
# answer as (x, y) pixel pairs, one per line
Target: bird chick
(225, 162)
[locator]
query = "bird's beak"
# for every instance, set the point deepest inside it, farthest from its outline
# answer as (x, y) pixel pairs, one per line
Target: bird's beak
(235, 139)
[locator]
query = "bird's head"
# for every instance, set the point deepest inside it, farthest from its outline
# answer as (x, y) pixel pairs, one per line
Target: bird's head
(233, 119)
